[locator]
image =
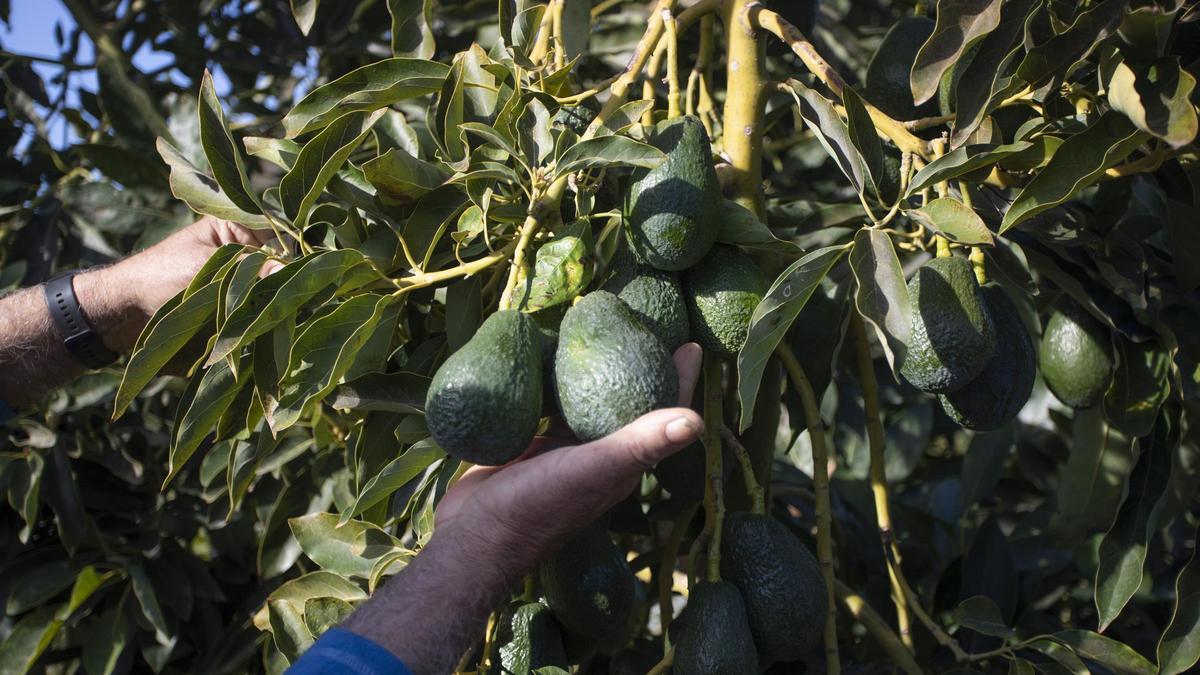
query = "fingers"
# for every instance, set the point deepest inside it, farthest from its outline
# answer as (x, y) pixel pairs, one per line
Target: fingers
(639, 446)
(687, 363)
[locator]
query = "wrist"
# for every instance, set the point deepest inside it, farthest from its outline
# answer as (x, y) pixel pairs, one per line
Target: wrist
(109, 298)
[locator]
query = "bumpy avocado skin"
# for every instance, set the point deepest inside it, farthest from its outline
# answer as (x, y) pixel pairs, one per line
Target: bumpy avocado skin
(1076, 356)
(610, 369)
(780, 581)
(952, 335)
(654, 295)
(529, 638)
(484, 402)
(589, 586)
(674, 207)
(722, 292)
(713, 636)
(994, 398)
(887, 80)
(578, 118)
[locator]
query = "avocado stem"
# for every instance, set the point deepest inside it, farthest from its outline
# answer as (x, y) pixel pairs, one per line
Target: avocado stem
(714, 498)
(672, 40)
(878, 476)
(820, 457)
(756, 492)
(978, 264)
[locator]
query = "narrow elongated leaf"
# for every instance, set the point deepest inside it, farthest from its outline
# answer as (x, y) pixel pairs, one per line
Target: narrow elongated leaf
(305, 12)
(987, 78)
(393, 476)
(319, 161)
(201, 192)
(1156, 97)
(400, 178)
(1139, 387)
(827, 125)
(281, 152)
(1064, 49)
(222, 151)
(493, 136)
(350, 550)
(431, 219)
(216, 391)
(962, 161)
(954, 220)
(740, 227)
(882, 295)
(1079, 162)
(960, 24)
(1092, 482)
(608, 151)
(562, 269)
(371, 87)
(28, 639)
(863, 135)
(1179, 648)
(394, 392)
(1121, 658)
(147, 600)
(411, 35)
(772, 318)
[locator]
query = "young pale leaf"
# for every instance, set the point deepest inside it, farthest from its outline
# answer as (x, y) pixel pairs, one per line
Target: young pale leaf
(319, 161)
(962, 161)
(305, 12)
(772, 318)
(824, 121)
(201, 192)
(1179, 648)
(281, 152)
(1080, 161)
(561, 270)
(954, 220)
(402, 179)
(1120, 658)
(882, 296)
(369, 88)
(1156, 97)
(217, 388)
(986, 81)
(740, 227)
(608, 151)
(222, 151)
(351, 550)
(411, 35)
(863, 135)
(980, 614)
(1140, 386)
(393, 477)
(1123, 549)
(960, 24)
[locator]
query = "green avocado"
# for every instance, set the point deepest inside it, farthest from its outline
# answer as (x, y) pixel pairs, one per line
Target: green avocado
(887, 83)
(577, 118)
(484, 402)
(589, 586)
(722, 292)
(714, 634)
(1076, 357)
(674, 207)
(781, 584)
(682, 474)
(655, 296)
(996, 395)
(952, 335)
(610, 369)
(529, 638)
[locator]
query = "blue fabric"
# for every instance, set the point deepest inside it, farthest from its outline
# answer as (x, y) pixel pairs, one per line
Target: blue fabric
(339, 651)
(6, 413)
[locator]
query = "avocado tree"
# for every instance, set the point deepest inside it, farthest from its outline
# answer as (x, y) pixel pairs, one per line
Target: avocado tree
(941, 258)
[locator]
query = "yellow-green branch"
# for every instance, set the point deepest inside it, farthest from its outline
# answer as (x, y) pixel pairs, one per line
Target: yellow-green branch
(756, 492)
(714, 498)
(878, 628)
(744, 103)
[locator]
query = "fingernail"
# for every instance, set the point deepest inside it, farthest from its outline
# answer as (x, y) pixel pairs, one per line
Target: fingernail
(682, 430)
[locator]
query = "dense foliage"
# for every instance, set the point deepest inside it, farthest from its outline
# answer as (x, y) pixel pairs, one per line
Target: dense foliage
(261, 462)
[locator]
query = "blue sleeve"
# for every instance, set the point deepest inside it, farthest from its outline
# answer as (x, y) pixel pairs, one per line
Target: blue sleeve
(339, 651)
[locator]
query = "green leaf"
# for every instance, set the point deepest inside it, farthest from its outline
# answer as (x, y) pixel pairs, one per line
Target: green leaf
(350, 550)
(1121, 658)
(740, 227)
(399, 471)
(319, 161)
(864, 136)
(321, 614)
(962, 161)
(430, 220)
(129, 168)
(464, 312)
(825, 122)
(608, 151)
(986, 81)
(221, 150)
(982, 615)
(1066, 48)
(1080, 161)
(402, 179)
(216, 391)
(960, 24)
(1063, 657)
(201, 192)
(493, 136)
(1123, 549)
(371, 87)
(1179, 648)
(281, 152)
(1139, 387)
(28, 639)
(411, 35)
(147, 599)
(104, 640)
(576, 27)
(1156, 97)
(305, 12)
(882, 296)
(1092, 483)
(772, 318)
(325, 349)
(983, 465)
(394, 392)
(628, 114)
(954, 220)
(288, 630)
(562, 269)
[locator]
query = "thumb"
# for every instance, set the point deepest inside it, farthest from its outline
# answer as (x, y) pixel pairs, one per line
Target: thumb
(647, 441)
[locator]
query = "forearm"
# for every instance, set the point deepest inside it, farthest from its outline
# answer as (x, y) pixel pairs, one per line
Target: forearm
(33, 360)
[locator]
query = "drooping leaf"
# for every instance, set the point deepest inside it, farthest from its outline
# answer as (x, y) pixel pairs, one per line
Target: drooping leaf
(1179, 647)
(369, 88)
(1139, 387)
(608, 151)
(960, 24)
(431, 220)
(881, 296)
(201, 192)
(954, 220)
(395, 392)
(349, 550)
(393, 476)
(319, 161)
(864, 136)
(411, 34)
(1156, 97)
(1065, 48)
(962, 161)
(224, 156)
(740, 227)
(1092, 482)
(824, 121)
(28, 639)
(214, 393)
(986, 81)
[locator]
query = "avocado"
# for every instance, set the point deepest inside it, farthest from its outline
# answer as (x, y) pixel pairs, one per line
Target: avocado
(529, 639)
(682, 474)
(780, 582)
(589, 586)
(996, 395)
(610, 369)
(1076, 358)
(674, 207)
(484, 402)
(722, 292)
(714, 634)
(887, 83)
(952, 335)
(888, 188)
(548, 321)
(655, 296)
(577, 118)
(635, 660)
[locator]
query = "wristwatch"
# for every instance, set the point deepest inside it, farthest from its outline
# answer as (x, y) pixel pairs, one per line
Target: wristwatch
(82, 341)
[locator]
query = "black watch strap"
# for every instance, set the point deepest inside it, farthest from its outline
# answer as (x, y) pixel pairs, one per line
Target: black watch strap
(81, 340)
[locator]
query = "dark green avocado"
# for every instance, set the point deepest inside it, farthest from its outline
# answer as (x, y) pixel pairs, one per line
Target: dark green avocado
(996, 395)
(577, 118)
(713, 633)
(682, 474)
(589, 586)
(674, 207)
(484, 402)
(952, 335)
(654, 295)
(722, 292)
(887, 83)
(780, 582)
(610, 369)
(529, 638)
(1076, 358)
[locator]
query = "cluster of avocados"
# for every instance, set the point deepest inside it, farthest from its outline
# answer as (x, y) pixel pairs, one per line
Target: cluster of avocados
(969, 346)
